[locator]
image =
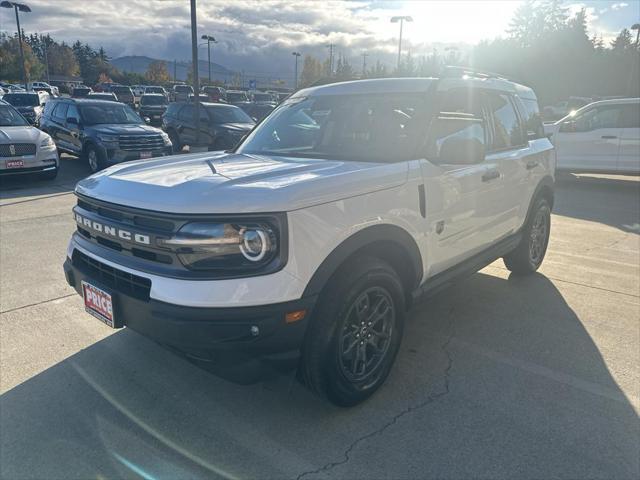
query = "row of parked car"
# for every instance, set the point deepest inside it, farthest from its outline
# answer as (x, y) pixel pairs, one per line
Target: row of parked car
(600, 137)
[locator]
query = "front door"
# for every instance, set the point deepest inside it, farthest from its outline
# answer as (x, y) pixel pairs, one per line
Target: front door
(629, 153)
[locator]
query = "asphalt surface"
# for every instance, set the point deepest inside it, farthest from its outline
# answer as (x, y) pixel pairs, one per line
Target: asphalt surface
(498, 377)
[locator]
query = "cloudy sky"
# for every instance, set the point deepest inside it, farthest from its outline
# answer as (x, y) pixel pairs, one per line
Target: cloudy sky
(259, 35)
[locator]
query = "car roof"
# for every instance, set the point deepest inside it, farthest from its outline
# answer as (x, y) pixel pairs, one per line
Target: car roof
(416, 85)
(153, 95)
(83, 101)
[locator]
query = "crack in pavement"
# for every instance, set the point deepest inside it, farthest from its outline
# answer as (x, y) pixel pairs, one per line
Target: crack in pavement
(37, 303)
(430, 399)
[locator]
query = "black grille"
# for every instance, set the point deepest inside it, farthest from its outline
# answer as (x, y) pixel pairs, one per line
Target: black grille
(123, 282)
(140, 143)
(19, 149)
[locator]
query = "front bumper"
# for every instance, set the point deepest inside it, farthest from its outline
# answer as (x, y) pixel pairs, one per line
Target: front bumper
(251, 330)
(115, 155)
(44, 160)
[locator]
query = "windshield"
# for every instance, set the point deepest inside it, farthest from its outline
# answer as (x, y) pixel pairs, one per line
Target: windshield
(22, 99)
(347, 127)
(262, 97)
(237, 97)
(108, 114)
(153, 100)
(154, 90)
(122, 91)
(183, 88)
(10, 118)
(228, 114)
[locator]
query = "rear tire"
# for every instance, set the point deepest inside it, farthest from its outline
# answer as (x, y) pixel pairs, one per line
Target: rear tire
(529, 254)
(176, 146)
(355, 333)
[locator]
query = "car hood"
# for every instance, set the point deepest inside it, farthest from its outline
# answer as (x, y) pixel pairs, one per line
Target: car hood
(118, 129)
(21, 134)
(209, 183)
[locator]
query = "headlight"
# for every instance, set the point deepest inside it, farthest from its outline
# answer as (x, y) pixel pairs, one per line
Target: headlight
(166, 139)
(112, 139)
(229, 247)
(47, 142)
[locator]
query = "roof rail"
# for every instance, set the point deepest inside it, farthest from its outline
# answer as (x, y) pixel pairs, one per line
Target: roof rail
(453, 71)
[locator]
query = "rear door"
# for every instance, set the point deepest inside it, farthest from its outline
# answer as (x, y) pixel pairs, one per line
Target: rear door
(508, 150)
(629, 152)
(591, 140)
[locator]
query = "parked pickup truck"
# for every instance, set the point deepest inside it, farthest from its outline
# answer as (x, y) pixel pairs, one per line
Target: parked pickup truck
(318, 232)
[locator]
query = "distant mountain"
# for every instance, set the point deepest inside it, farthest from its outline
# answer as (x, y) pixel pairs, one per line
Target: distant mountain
(139, 64)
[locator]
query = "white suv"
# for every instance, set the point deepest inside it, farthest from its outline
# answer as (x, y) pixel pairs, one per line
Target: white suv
(320, 229)
(600, 137)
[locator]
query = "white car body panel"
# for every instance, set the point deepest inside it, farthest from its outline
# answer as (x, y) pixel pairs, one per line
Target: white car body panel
(613, 150)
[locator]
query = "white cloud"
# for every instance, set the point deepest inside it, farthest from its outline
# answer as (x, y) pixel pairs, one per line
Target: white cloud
(619, 6)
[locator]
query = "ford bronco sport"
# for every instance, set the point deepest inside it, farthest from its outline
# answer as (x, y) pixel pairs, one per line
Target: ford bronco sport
(323, 226)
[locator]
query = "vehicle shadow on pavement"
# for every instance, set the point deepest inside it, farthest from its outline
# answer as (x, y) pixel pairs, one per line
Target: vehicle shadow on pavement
(72, 170)
(608, 200)
(497, 378)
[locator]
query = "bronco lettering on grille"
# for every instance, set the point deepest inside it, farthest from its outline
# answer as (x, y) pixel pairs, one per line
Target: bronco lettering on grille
(111, 230)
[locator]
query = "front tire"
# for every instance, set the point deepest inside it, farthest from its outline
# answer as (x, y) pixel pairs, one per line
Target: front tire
(95, 158)
(530, 252)
(355, 333)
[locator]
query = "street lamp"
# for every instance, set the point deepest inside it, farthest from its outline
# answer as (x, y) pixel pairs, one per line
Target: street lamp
(401, 19)
(22, 8)
(209, 40)
(295, 83)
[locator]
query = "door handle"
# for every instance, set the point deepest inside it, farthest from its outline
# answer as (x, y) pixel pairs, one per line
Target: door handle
(609, 137)
(490, 175)
(532, 164)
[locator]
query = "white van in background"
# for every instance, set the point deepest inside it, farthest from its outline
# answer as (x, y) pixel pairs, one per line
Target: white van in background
(600, 137)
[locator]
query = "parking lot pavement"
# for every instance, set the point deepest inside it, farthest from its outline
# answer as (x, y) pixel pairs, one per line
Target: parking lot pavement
(498, 377)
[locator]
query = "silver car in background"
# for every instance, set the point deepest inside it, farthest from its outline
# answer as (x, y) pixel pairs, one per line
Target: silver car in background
(23, 148)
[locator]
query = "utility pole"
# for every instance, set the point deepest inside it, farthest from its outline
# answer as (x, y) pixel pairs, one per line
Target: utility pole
(401, 19)
(364, 64)
(175, 70)
(194, 64)
(23, 8)
(295, 81)
(331, 46)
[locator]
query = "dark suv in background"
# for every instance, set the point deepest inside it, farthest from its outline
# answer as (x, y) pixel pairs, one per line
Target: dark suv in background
(29, 104)
(125, 95)
(221, 126)
(152, 106)
(104, 133)
(180, 93)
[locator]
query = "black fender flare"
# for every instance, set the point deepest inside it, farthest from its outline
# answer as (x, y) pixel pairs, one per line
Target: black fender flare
(369, 236)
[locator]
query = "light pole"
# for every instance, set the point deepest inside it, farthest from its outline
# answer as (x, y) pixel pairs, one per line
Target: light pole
(194, 66)
(364, 64)
(295, 83)
(636, 26)
(22, 8)
(209, 40)
(46, 58)
(401, 19)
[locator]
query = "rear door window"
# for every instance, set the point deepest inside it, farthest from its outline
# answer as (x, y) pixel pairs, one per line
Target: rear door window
(630, 117)
(507, 130)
